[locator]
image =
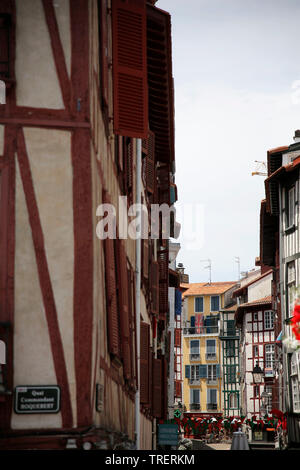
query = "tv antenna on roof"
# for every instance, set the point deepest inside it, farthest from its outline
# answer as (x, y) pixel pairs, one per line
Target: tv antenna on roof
(237, 260)
(261, 169)
(207, 267)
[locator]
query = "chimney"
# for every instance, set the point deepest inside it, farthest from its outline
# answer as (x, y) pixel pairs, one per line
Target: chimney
(297, 136)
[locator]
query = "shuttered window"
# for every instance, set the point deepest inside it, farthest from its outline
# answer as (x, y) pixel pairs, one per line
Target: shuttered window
(124, 308)
(130, 68)
(5, 22)
(103, 53)
(154, 287)
(157, 388)
(111, 298)
(144, 362)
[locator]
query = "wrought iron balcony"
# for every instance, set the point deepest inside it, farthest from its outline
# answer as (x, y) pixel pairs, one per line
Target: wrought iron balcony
(201, 330)
(195, 406)
(211, 406)
(195, 381)
(195, 357)
(211, 381)
(211, 356)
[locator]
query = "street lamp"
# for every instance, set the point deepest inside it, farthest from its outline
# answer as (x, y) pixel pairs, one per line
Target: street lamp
(257, 374)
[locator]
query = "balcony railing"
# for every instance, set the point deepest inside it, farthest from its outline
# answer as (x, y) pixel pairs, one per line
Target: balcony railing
(211, 380)
(211, 356)
(195, 406)
(195, 381)
(211, 406)
(203, 330)
(229, 333)
(195, 357)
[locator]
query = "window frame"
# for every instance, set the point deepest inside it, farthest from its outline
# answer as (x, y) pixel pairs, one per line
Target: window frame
(207, 352)
(196, 298)
(268, 321)
(211, 297)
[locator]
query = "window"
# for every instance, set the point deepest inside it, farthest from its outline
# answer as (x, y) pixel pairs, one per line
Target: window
(194, 399)
(290, 207)
(195, 349)
(230, 328)
(231, 373)
(212, 372)
(269, 356)
(291, 286)
(195, 373)
(212, 399)
(269, 406)
(230, 348)
(269, 320)
(233, 401)
(255, 316)
(255, 350)
(256, 391)
(295, 394)
(199, 304)
(211, 349)
(214, 303)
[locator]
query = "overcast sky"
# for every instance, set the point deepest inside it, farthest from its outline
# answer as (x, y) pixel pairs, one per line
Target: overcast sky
(237, 94)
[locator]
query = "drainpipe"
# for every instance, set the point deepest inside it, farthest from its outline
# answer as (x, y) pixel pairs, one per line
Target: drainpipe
(138, 289)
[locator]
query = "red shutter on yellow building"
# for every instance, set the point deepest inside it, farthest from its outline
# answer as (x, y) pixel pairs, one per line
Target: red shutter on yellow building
(130, 68)
(144, 362)
(177, 337)
(111, 298)
(124, 308)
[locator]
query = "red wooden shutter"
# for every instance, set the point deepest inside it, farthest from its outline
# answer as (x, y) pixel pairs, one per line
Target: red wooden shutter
(111, 298)
(177, 337)
(132, 330)
(130, 68)
(144, 362)
(163, 260)
(103, 50)
(4, 42)
(149, 150)
(155, 287)
(157, 388)
(146, 258)
(124, 309)
(165, 388)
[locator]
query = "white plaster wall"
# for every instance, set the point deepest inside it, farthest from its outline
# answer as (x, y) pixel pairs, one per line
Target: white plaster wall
(37, 81)
(62, 13)
(261, 288)
(33, 363)
(49, 153)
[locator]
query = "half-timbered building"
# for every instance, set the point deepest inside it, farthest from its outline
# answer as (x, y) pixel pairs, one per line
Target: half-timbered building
(88, 120)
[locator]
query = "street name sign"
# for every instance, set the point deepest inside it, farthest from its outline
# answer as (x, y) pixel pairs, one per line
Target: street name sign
(37, 399)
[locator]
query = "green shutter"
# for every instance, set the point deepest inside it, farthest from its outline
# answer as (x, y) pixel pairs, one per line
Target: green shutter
(187, 372)
(203, 371)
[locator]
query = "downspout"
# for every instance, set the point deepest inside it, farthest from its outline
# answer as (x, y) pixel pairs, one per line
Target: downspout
(138, 289)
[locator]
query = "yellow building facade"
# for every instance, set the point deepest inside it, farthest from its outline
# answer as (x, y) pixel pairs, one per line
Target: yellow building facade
(202, 368)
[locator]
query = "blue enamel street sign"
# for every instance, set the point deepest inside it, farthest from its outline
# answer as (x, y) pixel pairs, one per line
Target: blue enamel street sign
(168, 434)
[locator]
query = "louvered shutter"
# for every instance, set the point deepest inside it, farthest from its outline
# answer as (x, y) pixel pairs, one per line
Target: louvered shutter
(124, 308)
(103, 50)
(165, 388)
(203, 371)
(111, 298)
(144, 362)
(155, 287)
(146, 258)
(187, 372)
(163, 261)
(150, 164)
(130, 68)
(151, 357)
(218, 371)
(157, 388)
(177, 337)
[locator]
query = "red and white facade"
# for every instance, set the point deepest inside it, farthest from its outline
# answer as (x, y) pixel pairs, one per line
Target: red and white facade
(255, 318)
(68, 144)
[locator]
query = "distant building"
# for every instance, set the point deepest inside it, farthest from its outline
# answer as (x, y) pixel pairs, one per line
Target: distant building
(202, 354)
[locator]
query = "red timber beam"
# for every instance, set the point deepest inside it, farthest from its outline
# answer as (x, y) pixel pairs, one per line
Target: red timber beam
(7, 263)
(45, 281)
(58, 52)
(82, 210)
